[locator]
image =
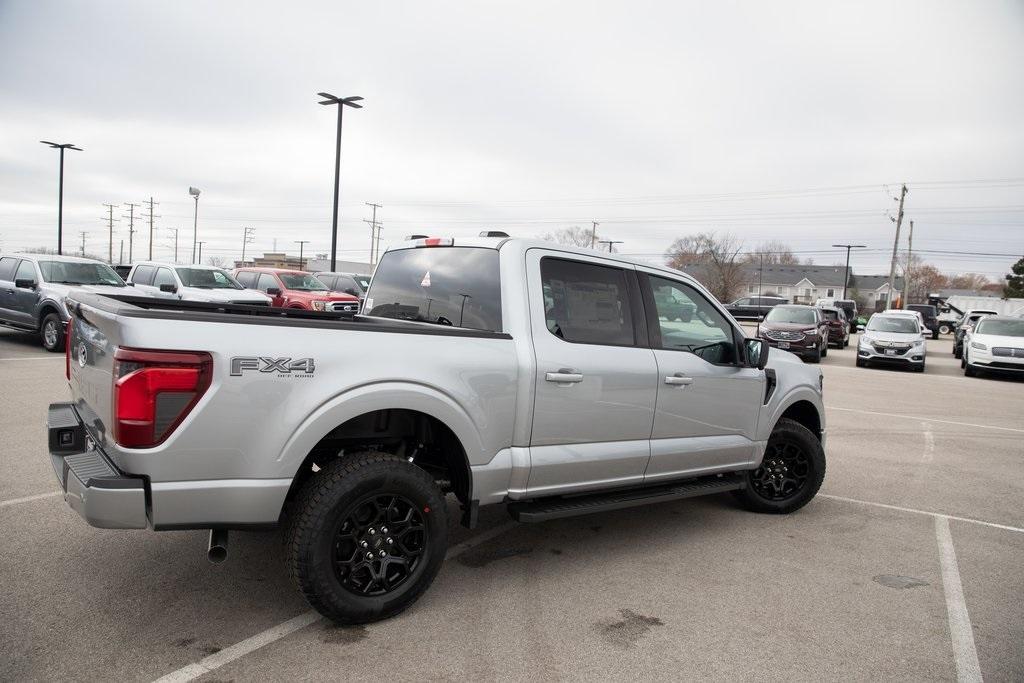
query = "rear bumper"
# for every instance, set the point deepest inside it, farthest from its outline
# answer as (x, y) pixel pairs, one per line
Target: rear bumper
(110, 499)
(92, 486)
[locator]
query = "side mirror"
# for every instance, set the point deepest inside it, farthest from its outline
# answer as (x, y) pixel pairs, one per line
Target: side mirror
(25, 283)
(757, 353)
(169, 288)
(273, 291)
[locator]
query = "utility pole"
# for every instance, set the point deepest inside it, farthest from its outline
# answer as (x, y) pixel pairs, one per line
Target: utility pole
(342, 102)
(593, 233)
(200, 262)
(175, 231)
(131, 226)
(380, 229)
(195, 192)
(151, 217)
(248, 236)
(110, 231)
(301, 244)
(83, 234)
(610, 243)
(847, 247)
(910, 266)
(373, 229)
(120, 259)
(895, 249)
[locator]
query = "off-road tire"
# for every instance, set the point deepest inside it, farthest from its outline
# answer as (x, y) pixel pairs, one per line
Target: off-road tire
(51, 333)
(321, 507)
(824, 350)
(787, 431)
(944, 329)
(935, 335)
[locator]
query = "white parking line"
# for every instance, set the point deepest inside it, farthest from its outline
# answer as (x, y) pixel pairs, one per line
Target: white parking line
(927, 419)
(29, 499)
(37, 358)
(929, 442)
(960, 631)
(275, 633)
(1004, 527)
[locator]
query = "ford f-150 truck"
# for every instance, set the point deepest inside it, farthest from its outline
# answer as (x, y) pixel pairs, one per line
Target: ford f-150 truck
(497, 370)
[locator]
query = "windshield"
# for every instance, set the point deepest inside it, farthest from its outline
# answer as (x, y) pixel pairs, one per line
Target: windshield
(902, 324)
(1002, 328)
(303, 282)
(446, 286)
(786, 314)
(69, 273)
(204, 278)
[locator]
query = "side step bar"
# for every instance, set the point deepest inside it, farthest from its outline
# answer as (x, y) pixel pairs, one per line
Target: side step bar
(558, 507)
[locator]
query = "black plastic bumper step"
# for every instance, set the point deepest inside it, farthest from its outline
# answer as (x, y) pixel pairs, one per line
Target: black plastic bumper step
(570, 506)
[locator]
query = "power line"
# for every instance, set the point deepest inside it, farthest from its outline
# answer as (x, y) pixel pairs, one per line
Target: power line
(151, 217)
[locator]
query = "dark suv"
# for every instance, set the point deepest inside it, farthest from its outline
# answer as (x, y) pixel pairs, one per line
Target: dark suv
(802, 330)
(754, 306)
(930, 315)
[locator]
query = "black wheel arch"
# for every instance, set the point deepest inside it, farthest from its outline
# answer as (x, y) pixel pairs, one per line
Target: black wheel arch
(426, 440)
(806, 414)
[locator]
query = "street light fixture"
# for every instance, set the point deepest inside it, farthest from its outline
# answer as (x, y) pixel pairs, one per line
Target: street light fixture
(60, 191)
(194, 191)
(848, 247)
(341, 102)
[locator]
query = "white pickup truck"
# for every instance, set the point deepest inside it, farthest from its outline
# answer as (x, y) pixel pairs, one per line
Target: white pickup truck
(497, 370)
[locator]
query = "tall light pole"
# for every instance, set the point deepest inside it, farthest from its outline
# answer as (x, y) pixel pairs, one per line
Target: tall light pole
(60, 190)
(342, 102)
(194, 191)
(301, 244)
(200, 243)
(848, 247)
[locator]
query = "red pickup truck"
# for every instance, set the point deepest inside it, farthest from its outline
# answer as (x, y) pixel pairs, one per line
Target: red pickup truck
(295, 289)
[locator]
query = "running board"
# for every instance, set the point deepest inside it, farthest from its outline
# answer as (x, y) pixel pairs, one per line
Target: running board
(557, 507)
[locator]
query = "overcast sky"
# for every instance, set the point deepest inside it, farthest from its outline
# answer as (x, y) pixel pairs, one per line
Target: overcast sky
(788, 121)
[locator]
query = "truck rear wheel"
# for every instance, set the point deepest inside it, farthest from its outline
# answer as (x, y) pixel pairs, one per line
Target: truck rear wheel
(366, 537)
(790, 473)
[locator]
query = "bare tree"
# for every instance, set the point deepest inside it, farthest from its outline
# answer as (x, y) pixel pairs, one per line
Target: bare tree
(719, 256)
(573, 237)
(773, 252)
(219, 262)
(968, 281)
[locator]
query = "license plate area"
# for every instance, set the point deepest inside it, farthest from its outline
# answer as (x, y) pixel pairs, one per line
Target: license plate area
(890, 352)
(783, 345)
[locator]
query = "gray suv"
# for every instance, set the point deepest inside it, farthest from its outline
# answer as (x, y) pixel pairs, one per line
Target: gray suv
(33, 287)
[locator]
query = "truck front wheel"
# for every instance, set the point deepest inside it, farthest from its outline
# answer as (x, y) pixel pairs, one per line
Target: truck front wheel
(366, 537)
(790, 473)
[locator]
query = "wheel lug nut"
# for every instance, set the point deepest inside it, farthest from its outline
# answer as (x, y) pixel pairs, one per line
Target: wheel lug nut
(369, 556)
(371, 531)
(383, 529)
(364, 544)
(382, 553)
(389, 541)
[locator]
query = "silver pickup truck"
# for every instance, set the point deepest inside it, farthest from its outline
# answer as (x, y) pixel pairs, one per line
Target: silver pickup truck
(541, 377)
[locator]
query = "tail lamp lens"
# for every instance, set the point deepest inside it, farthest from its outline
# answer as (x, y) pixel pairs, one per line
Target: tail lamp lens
(67, 350)
(154, 391)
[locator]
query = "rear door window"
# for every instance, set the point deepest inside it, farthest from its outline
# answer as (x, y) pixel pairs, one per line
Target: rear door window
(246, 279)
(7, 266)
(586, 303)
(143, 275)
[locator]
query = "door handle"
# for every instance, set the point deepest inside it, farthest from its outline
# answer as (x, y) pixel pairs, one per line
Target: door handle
(564, 376)
(678, 379)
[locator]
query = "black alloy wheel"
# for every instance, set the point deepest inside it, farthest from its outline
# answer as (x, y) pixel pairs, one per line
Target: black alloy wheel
(783, 471)
(380, 542)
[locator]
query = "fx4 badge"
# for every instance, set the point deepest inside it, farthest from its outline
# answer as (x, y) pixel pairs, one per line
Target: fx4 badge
(298, 367)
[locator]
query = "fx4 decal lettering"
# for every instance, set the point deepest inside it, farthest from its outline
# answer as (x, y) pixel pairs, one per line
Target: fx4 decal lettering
(298, 367)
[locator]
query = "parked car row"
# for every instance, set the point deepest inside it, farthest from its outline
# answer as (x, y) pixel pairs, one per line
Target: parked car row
(996, 343)
(33, 288)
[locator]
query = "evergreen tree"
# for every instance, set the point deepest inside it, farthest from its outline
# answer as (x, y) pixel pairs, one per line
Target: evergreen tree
(1015, 282)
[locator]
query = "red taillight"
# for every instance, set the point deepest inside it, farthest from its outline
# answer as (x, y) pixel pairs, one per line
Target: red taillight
(154, 391)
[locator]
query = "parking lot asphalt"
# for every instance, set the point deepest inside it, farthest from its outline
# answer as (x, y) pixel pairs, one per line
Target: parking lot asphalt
(909, 565)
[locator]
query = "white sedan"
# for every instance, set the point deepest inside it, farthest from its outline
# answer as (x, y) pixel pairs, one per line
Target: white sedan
(995, 344)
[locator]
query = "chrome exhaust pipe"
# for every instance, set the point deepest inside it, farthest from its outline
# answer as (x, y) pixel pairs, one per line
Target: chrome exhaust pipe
(218, 550)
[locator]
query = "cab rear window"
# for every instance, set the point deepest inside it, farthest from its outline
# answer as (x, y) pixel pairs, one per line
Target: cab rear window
(456, 286)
